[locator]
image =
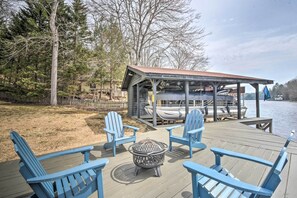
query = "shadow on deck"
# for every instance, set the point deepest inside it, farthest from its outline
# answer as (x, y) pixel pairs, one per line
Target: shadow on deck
(120, 181)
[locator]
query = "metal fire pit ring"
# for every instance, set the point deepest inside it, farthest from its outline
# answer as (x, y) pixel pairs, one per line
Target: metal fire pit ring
(148, 154)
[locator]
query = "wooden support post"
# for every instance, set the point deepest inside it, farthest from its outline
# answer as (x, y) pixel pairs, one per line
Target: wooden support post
(186, 98)
(256, 86)
(154, 86)
(238, 102)
(215, 89)
(138, 100)
(257, 101)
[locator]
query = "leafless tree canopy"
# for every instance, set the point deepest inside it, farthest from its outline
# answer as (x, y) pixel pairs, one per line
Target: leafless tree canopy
(157, 33)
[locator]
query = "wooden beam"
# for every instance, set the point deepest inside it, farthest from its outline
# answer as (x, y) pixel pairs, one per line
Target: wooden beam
(222, 80)
(186, 97)
(238, 102)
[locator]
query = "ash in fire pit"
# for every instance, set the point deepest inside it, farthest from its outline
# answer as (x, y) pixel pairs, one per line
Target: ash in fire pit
(148, 154)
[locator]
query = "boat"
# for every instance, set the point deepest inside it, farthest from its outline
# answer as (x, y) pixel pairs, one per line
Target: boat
(279, 98)
(178, 113)
(173, 107)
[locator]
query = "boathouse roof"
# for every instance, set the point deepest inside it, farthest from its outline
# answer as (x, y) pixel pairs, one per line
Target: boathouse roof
(182, 74)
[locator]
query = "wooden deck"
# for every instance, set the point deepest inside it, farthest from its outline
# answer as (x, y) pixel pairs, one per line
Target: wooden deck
(261, 123)
(119, 179)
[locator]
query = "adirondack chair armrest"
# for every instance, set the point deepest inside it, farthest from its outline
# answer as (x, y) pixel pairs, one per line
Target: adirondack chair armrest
(96, 164)
(131, 127)
(221, 152)
(169, 129)
(109, 131)
(84, 150)
(196, 130)
(194, 168)
(173, 127)
(135, 129)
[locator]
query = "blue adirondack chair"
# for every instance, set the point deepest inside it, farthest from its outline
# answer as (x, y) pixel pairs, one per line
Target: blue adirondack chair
(193, 129)
(219, 182)
(79, 181)
(115, 131)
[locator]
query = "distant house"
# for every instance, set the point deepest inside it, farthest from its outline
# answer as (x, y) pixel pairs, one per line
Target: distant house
(98, 91)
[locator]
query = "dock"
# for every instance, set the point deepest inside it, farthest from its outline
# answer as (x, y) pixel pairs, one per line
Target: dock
(120, 181)
(261, 123)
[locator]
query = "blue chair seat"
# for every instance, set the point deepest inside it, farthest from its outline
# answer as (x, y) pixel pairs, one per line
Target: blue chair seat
(123, 139)
(185, 141)
(72, 185)
(214, 188)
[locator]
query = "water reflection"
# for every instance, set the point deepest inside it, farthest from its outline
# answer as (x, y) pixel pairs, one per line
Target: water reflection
(283, 114)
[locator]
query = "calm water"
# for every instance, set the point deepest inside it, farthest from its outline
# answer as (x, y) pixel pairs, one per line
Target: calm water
(283, 113)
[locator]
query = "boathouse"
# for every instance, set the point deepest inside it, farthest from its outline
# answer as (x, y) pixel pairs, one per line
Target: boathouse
(139, 80)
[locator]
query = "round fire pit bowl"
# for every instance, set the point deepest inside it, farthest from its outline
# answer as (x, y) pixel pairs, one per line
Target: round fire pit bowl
(148, 153)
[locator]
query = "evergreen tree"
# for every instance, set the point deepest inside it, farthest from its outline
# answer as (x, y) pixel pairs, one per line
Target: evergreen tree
(111, 56)
(75, 41)
(27, 46)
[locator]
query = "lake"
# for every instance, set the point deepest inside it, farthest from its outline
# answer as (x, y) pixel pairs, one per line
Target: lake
(283, 114)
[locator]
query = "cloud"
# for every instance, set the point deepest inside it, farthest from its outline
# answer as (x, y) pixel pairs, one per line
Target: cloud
(247, 50)
(265, 55)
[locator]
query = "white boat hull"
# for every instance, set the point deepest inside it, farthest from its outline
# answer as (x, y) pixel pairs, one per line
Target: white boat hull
(178, 113)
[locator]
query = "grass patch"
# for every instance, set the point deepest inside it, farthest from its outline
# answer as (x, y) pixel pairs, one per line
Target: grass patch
(48, 129)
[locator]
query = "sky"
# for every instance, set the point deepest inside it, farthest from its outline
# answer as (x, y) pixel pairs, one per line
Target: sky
(255, 38)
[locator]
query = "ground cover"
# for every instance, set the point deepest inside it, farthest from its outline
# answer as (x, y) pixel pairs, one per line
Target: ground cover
(48, 129)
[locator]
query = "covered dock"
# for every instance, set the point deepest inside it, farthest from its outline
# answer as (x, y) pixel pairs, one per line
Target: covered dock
(119, 179)
(138, 81)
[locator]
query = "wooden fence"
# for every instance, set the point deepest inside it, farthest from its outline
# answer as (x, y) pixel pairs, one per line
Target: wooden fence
(99, 105)
(81, 103)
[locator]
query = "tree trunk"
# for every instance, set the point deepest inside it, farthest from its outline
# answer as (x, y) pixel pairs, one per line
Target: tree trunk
(110, 82)
(55, 40)
(110, 88)
(101, 88)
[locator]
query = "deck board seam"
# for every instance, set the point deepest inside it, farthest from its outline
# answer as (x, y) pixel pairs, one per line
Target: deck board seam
(289, 170)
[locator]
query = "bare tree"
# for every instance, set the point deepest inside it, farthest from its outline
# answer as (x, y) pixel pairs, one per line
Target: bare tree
(151, 29)
(55, 50)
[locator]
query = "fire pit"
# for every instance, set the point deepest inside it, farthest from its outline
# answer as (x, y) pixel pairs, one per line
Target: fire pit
(148, 154)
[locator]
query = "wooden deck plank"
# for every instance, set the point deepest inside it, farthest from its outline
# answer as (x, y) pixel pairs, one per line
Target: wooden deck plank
(120, 181)
(292, 177)
(281, 190)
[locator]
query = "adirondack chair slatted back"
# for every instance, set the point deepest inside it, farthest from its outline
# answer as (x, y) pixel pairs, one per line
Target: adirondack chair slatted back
(273, 178)
(30, 165)
(194, 120)
(114, 123)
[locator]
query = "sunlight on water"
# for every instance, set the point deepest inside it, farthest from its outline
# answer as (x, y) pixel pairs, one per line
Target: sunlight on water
(283, 114)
